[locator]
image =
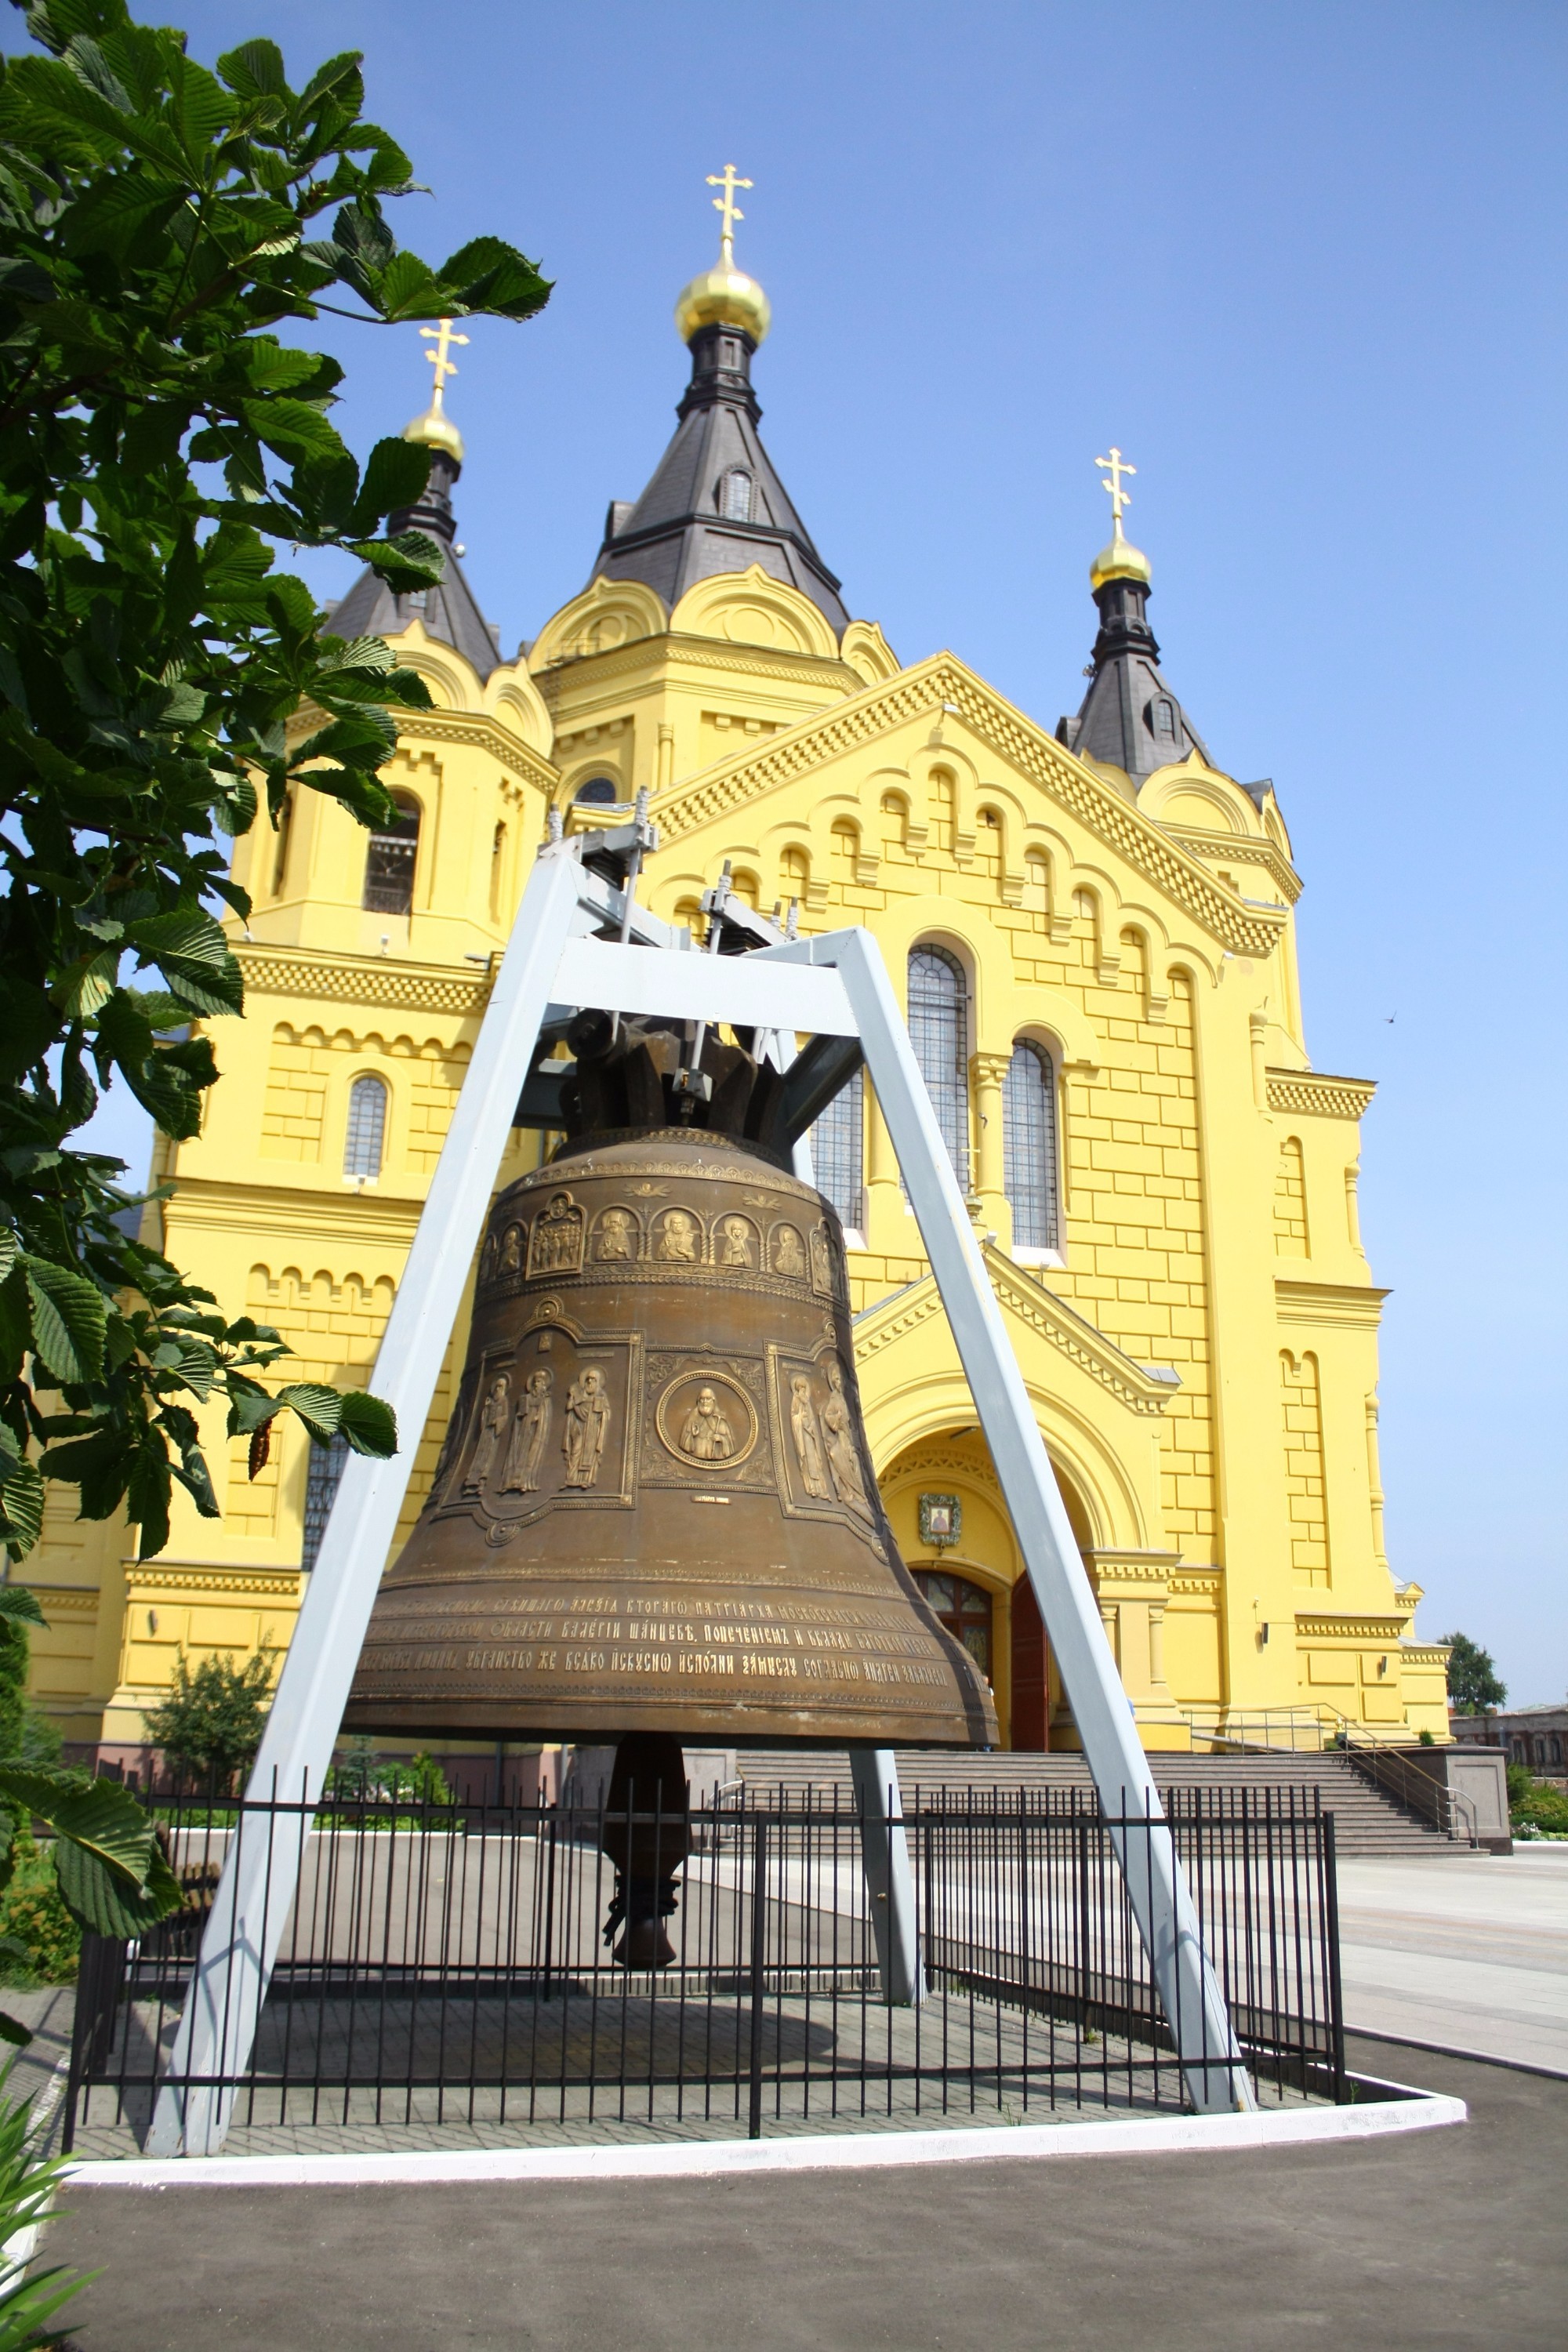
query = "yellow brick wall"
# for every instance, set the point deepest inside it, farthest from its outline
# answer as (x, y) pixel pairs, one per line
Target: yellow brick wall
(1304, 1474)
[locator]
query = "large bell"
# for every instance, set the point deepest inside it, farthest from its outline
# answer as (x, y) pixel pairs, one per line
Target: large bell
(655, 1511)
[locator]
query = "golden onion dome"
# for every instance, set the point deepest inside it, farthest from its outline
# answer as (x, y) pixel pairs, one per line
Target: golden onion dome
(723, 297)
(437, 430)
(1120, 560)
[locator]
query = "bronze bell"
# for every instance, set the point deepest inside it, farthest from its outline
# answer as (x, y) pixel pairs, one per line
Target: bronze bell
(654, 1510)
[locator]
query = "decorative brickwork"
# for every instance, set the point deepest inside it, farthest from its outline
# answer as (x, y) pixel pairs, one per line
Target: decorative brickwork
(1293, 1091)
(307, 1062)
(367, 980)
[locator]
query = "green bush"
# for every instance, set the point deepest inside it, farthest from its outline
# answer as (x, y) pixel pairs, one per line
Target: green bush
(42, 1943)
(210, 1726)
(1533, 1806)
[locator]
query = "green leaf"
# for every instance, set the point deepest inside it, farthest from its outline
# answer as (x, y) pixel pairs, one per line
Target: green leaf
(395, 475)
(20, 1603)
(12, 2030)
(491, 275)
(409, 562)
(102, 1899)
(255, 70)
(69, 1316)
(321, 1409)
(369, 1424)
(99, 1815)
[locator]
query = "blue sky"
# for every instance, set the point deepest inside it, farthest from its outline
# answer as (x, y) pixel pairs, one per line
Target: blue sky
(1306, 266)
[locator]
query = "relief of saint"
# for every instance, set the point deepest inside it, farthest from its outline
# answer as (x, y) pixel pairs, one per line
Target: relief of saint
(492, 1421)
(807, 1431)
(843, 1461)
(678, 1239)
(488, 1258)
(557, 1244)
(735, 1248)
(587, 1426)
(511, 1249)
(530, 1430)
(705, 1434)
(789, 1258)
(821, 1260)
(615, 1242)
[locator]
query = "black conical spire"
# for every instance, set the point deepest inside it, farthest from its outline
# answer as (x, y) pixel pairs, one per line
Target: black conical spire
(715, 503)
(450, 611)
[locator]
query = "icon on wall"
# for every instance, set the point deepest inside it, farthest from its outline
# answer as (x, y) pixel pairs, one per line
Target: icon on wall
(941, 1520)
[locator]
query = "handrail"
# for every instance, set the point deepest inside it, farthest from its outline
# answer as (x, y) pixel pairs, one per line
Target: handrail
(1312, 1730)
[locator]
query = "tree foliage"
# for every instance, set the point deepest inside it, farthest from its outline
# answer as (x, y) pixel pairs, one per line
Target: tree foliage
(1474, 1683)
(158, 223)
(210, 1724)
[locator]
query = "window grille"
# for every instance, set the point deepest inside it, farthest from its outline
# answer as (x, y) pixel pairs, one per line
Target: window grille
(735, 495)
(323, 1474)
(1029, 1147)
(367, 1128)
(939, 1031)
(838, 1153)
(389, 864)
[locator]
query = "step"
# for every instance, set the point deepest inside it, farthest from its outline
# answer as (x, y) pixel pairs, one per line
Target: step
(1367, 1821)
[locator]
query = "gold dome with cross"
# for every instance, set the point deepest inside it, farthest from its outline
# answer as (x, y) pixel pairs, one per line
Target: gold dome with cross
(724, 296)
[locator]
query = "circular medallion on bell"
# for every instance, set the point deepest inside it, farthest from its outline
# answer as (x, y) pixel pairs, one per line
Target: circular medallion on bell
(706, 1419)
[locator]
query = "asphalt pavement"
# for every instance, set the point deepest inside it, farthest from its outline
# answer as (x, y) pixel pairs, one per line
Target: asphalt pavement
(1451, 2240)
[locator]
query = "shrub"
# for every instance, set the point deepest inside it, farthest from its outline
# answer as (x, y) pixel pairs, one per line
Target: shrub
(210, 1726)
(40, 1943)
(1533, 1806)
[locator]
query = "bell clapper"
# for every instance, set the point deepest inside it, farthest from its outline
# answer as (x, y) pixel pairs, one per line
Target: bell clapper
(646, 1834)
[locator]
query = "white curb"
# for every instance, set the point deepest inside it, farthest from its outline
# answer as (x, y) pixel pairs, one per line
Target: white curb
(858, 2152)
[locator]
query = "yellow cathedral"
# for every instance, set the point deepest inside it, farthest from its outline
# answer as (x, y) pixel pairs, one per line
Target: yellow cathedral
(1095, 932)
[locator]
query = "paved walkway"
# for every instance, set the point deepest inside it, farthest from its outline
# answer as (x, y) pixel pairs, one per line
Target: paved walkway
(1471, 1952)
(1445, 2241)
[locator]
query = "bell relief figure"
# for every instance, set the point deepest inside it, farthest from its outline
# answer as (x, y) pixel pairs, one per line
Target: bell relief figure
(735, 1245)
(678, 1239)
(806, 1432)
(530, 1432)
(492, 1421)
(843, 1461)
(614, 1243)
(587, 1426)
(557, 1243)
(789, 1256)
(488, 1258)
(510, 1250)
(705, 1434)
(821, 1260)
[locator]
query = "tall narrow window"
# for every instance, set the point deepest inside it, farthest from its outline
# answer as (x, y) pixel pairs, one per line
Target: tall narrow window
(389, 863)
(735, 495)
(838, 1153)
(321, 1476)
(939, 1031)
(1029, 1147)
(367, 1128)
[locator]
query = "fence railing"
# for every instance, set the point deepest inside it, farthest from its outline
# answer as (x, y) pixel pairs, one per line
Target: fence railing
(445, 1966)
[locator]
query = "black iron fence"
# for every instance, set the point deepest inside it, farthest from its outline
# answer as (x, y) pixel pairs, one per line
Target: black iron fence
(450, 1965)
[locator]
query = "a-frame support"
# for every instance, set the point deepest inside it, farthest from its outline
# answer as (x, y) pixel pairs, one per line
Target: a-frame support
(578, 940)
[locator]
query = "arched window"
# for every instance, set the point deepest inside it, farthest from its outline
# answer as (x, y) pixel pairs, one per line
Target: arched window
(599, 792)
(1163, 718)
(735, 495)
(1029, 1147)
(963, 1609)
(389, 861)
(367, 1128)
(939, 1030)
(323, 1476)
(838, 1153)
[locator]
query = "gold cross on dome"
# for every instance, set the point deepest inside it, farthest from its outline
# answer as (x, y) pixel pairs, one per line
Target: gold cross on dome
(728, 209)
(1119, 498)
(443, 338)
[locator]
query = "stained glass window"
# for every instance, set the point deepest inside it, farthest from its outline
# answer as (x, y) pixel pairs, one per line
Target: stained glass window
(1029, 1147)
(939, 1030)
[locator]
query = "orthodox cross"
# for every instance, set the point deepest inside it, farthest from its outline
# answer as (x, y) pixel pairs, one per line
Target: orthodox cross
(1119, 498)
(443, 338)
(729, 210)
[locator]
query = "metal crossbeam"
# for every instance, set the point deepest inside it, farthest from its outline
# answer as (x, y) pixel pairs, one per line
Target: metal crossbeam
(578, 940)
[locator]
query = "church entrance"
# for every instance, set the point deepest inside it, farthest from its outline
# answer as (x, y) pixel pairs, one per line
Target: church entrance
(963, 1609)
(1031, 1716)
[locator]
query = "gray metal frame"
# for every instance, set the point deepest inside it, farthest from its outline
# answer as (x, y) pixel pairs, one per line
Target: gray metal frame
(576, 940)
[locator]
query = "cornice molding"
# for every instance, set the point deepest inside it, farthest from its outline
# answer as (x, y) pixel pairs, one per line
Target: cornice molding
(1352, 1306)
(1318, 1094)
(1246, 848)
(64, 1599)
(685, 651)
(1315, 1627)
(945, 683)
(484, 734)
(330, 1221)
(1061, 1327)
(1426, 1653)
(331, 978)
(1204, 1582)
(149, 1577)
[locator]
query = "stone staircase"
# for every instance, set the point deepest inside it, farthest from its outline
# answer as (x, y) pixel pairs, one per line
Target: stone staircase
(1367, 1821)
